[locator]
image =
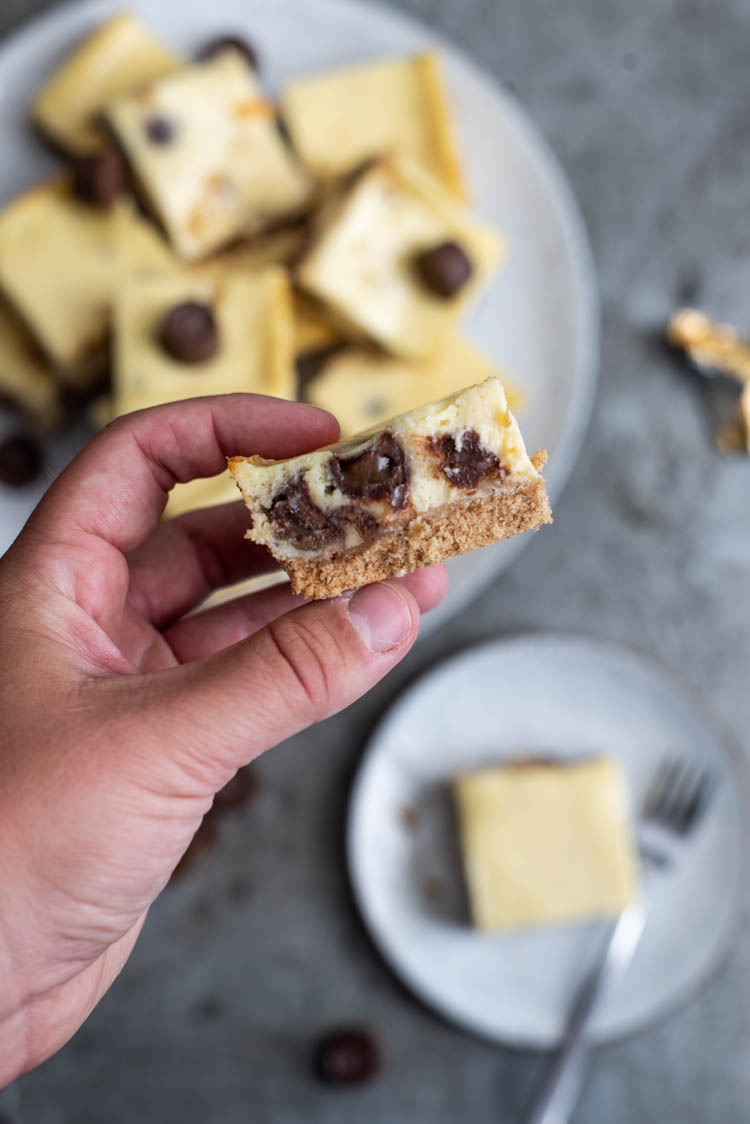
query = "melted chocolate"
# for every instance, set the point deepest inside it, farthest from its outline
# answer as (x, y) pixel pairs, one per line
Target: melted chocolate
(379, 472)
(465, 467)
(297, 518)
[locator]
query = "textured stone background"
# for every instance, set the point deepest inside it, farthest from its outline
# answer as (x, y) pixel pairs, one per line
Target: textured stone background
(648, 106)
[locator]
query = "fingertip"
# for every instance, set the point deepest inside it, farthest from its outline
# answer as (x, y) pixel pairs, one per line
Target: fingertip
(428, 587)
(386, 616)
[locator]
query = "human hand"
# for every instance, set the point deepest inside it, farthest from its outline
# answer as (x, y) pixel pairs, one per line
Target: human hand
(120, 719)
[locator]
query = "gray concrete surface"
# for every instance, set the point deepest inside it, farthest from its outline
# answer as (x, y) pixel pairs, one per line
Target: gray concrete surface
(241, 964)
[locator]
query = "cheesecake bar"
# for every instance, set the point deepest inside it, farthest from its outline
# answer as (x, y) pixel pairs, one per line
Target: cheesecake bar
(395, 255)
(364, 387)
(439, 481)
(61, 261)
(339, 118)
(545, 843)
(207, 153)
(181, 336)
(27, 382)
(119, 57)
(185, 335)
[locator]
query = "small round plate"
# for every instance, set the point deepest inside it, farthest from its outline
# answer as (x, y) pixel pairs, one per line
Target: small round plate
(549, 695)
(539, 318)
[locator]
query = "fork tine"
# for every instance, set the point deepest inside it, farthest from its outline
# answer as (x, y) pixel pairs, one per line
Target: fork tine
(663, 787)
(698, 798)
(680, 793)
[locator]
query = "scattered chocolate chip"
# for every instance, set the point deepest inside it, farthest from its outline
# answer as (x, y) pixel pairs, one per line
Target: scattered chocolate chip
(444, 269)
(189, 332)
(241, 788)
(379, 471)
(239, 890)
(349, 1056)
(21, 460)
(99, 178)
(225, 42)
(310, 363)
(206, 1009)
(159, 130)
(466, 466)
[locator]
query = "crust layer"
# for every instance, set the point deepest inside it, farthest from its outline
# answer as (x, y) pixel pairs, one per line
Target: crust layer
(425, 540)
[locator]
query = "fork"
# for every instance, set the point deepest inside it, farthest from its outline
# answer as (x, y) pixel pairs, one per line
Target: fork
(676, 800)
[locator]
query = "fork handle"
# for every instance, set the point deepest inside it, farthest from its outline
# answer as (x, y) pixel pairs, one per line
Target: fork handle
(561, 1089)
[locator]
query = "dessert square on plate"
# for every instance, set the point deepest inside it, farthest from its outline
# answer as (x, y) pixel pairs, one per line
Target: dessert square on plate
(118, 57)
(61, 261)
(363, 387)
(546, 842)
(439, 481)
(398, 257)
(186, 335)
(339, 118)
(207, 153)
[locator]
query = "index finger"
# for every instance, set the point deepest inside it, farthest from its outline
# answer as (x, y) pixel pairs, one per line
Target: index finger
(116, 488)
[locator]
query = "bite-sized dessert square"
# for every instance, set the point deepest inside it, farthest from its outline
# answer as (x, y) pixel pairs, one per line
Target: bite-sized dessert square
(61, 261)
(441, 480)
(546, 842)
(27, 381)
(208, 156)
(363, 386)
(188, 335)
(185, 335)
(120, 56)
(339, 118)
(398, 257)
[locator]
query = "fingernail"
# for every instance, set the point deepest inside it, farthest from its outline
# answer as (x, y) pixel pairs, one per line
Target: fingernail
(381, 616)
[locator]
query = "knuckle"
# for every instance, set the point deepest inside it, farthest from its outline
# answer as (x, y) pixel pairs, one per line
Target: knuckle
(312, 662)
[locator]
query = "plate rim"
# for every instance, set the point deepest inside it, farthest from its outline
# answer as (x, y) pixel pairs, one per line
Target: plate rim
(724, 739)
(569, 219)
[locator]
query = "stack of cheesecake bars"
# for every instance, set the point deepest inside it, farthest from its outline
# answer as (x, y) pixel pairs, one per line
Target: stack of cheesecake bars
(205, 239)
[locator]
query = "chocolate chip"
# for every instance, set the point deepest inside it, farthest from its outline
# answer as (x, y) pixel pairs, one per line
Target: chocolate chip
(298, 519)
(189, 332)
(226, 42)
(99, 178)
(349, 1056)
(159, 130)
(378, 472)
(241, 788)
(466, 466)
(444, 269)
(310, 363)
(21, 460)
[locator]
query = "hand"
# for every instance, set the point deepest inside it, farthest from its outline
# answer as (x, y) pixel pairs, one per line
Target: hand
(120, 719)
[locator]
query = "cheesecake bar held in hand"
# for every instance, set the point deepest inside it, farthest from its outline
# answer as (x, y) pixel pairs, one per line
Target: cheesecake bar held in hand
(438, 481)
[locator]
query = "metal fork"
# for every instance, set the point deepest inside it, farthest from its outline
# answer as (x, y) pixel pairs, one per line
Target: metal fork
(675, 802)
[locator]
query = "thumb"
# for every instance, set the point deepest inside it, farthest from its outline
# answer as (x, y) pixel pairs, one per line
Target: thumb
(221, 712)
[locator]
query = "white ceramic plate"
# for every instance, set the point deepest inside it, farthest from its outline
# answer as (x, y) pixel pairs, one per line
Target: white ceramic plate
(539, 319)
(559, 696)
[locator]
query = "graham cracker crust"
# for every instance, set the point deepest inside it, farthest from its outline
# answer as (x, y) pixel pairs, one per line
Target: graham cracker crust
(455, 528)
